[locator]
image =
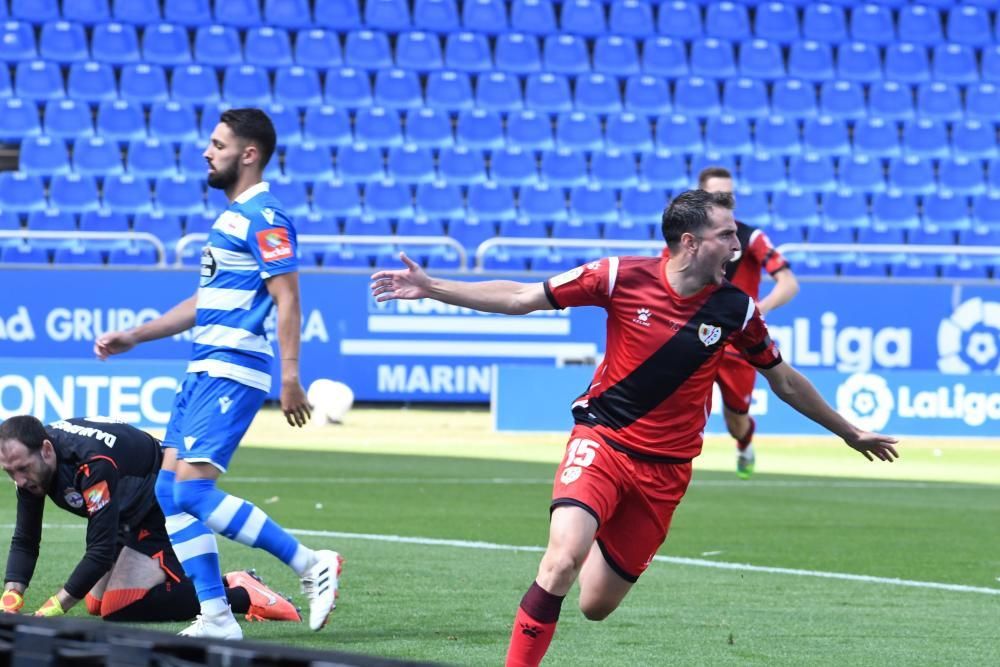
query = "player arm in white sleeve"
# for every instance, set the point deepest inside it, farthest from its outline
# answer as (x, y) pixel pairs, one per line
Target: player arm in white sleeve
(490, 296)
(284, 290)
(179, 318)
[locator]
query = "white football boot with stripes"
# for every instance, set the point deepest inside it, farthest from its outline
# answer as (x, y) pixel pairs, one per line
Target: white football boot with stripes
(222, 626)
(320, 585)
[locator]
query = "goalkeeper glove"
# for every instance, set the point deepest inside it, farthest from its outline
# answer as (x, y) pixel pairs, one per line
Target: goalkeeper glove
(11, 601)
(52, 607)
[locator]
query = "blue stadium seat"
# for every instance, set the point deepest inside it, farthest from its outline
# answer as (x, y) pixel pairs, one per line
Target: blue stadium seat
(21, 193)
(441, 200)
(939, 101)
(727, 20)
(449, 90)
(142, 12)
(990, 64)
(542, 202)
(92, 82)
(289, 14)
(195, 85)
(614, 168)
(297, 87)
(711, 158)
(629, 132)
(467, 52)
(268, 47)
(986, 210)
(151, 158)
(644, 204)
(755, 209)
(121, 120)
(77, 253)
(429, 128)
(17, 42)
(115, 43)
(187, 12)
(859, 61)
(173, 121)
(795, 208)
(776, 22)
(793, 98)
(907, 63)
(103, 220)
(912, 175)
(340, 15)
(829, 232)
(38, 80)
(865, 266)
(524, 227)
(513, 166)
(347, 87)
(348, 256)
(246, 86)
(420, 226)
(565, 54)
(530, 130)
(926, 138)
(846, 208)
(895, 209)
(336, 198)
(956, 63)
(390, 15)
(419, 51)
(728, 134)
(327, 126)
(962, 176)
(202, 222)
(974, 139)
(980, 236)
(678, 133)
(580, 17)
(490, 201)
(679, 19)
(931, 235)
(309, 162)
(548, 93)
(292, 194)
(498, 91)
(144, 84)
(920, 24)
(628, 230)
(388, 199)
(74, 193)
(217, 46)
(631, 18)
(947, 211)
(359, 163)
(461, 166)
(862, 173)
(812, 173)
(592, 203)
(760, 59)
(578, 131)
(597, 93)
(697, 96)
(844, 100)
(876, 137)
(664, 56)
(367, 225)
(378, 126)
(436, 15)
(485, 16)
(575, 228)
(533, 16)
(442, 257)
(564, 168)
(99, 156)
(52, 220)
(965, 267)
(982, 101)
(662, 169)
(238, 13)
(35, 11)
(968, 24)
(517, 53)
(480, 129)
(166, 44)
(132, 254)
(22, 253)
(613, 55)
(891, 100)
(647, 95)
(763, 171)
(873, 23)
(62, 42)
(367, 50)
(826, 136)
(68, 119)
(398, 89)
(18, 119)
(713, 58)
(87, 12)
(824, 22)
(777, 135)
(881, 233)
(210, 117)
(811, 61)
(318, 48)
(180, 195)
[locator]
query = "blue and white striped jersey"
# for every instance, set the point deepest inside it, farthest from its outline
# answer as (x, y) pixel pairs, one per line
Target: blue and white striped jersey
(250, 241)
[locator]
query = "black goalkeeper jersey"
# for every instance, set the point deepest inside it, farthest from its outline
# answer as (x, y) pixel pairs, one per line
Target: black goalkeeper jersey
(105, 471)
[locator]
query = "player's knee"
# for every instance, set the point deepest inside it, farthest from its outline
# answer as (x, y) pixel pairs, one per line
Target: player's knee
(163, 489)
(562, 564)
(194, 497)
(595, 611)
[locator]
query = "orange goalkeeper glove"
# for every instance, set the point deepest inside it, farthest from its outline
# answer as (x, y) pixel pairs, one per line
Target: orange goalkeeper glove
(11, 601)
(52, 607)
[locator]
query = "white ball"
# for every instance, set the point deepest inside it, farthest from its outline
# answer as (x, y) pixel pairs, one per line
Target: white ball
(330, 400)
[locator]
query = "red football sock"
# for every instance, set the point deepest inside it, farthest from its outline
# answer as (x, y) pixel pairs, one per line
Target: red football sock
(534, 626)
(745, 441)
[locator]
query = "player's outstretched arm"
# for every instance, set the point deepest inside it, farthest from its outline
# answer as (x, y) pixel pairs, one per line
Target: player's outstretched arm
(491, 296)
(174, 321)
(793, 388)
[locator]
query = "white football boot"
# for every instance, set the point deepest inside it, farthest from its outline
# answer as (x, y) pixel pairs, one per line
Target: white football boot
(221, 626)
(320, 585)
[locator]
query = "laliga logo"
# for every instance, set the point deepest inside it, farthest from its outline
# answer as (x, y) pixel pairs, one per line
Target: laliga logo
(968, 340)
(866, 400)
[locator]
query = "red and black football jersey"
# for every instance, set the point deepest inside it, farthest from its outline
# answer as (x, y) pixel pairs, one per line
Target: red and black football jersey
(652, 393)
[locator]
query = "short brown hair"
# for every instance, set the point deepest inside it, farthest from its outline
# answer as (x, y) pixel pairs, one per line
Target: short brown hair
(712, 172)
(688, 213)
(25, 429)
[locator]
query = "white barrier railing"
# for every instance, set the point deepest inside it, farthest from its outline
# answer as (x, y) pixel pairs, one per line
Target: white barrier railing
(146, 237)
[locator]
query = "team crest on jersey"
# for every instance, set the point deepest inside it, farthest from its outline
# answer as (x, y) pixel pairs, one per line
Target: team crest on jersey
(571, 474)
(73, 498)
(709, 334)
(97, 496)
(209, 266)
(642, 316)
(274, 244)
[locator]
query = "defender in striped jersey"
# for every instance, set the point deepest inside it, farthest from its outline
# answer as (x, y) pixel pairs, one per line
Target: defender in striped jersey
(639, 423)
(248, 268)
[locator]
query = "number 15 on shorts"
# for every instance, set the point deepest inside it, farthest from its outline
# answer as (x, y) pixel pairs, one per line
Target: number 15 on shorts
(580, 453)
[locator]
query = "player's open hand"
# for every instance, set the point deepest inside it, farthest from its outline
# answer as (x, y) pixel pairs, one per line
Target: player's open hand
(294, 403)
(114, 342)
(409, 283)
(875, 446)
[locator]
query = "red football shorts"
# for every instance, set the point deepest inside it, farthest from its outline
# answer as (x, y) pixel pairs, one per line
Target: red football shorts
(736, 378)
(632, 500)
